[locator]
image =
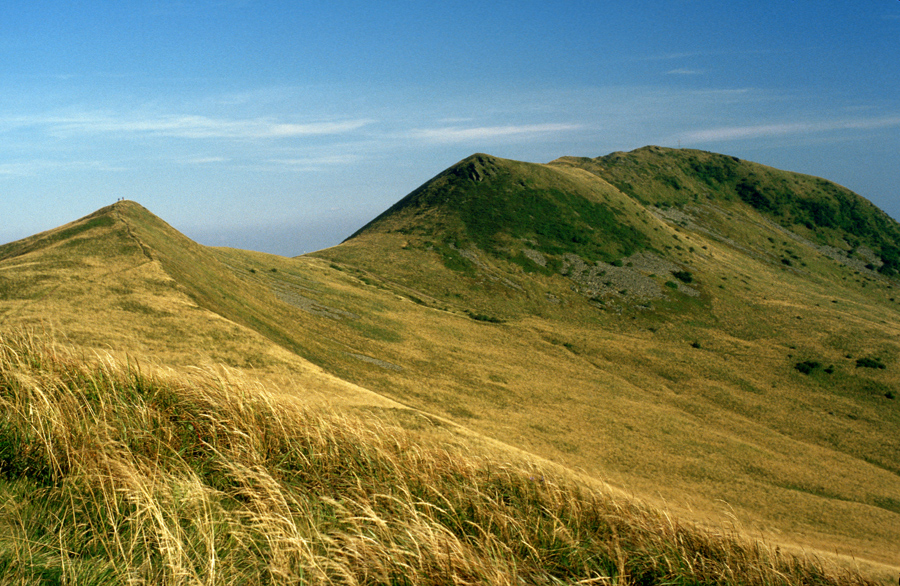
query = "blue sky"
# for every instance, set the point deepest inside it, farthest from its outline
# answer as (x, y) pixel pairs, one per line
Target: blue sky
(285, 126)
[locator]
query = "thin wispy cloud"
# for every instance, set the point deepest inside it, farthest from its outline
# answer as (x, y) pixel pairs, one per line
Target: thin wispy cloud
(451, 134)
(314, 163)
(206, 160)
(182, 126)
(671, 56)
(685, 72)
(459, 120)
(676, 56)
(729, 133)
(41, 166)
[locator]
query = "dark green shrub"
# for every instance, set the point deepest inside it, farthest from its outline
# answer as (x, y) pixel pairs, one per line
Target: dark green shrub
(485, 318)
(684, 276)
(869, 363)
(807, 366)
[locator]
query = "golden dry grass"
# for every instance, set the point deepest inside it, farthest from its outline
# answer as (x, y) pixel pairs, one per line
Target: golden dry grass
(729, 427)
(112, 475)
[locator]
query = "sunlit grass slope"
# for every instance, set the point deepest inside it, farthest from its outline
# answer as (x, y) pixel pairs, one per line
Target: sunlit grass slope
(111, 475)
(122, 280)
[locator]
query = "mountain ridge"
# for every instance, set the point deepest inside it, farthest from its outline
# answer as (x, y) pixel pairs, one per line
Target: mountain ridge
(829, 213)
(716, 355)
(794, 200)
(528, 223)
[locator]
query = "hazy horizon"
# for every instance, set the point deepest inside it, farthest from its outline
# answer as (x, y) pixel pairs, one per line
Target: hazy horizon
(290, 126)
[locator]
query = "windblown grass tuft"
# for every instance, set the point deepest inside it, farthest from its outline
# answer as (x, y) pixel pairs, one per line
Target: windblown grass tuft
(111, 474)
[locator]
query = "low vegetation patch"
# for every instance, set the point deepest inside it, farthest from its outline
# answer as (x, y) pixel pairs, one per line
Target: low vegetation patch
(807, 366)
(870, 363)
(109, 475)
(486, 318)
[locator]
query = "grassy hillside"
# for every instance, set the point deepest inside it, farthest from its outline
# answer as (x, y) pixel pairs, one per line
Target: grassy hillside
(724, 359)
(122, 280)
(111, 475)
(820, 210)
(704, 354)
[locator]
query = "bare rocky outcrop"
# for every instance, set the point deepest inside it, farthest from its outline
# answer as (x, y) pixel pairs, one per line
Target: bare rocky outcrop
(641, 277)
(535, 256)
(861, 259)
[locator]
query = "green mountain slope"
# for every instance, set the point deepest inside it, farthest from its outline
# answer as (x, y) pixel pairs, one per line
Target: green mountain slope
(500, 205)
(820, 210)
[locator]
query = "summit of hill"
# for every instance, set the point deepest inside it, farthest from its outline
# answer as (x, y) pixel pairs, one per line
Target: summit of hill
(497, 204)
(826, 213)
(602, 208)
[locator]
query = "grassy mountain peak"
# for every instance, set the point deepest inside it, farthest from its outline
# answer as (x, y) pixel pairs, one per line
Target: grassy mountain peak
(503, 206)
(491, 219)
